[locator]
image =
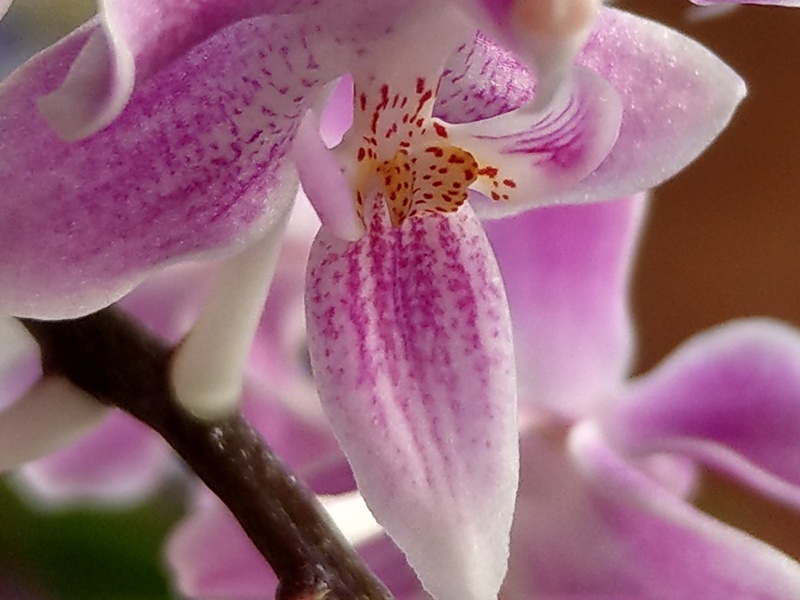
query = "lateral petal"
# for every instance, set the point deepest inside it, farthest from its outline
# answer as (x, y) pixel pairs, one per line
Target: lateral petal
(670, 549)
(729, 398)
(590, 525)
(411, 347)
(677, 97)
(133, 42)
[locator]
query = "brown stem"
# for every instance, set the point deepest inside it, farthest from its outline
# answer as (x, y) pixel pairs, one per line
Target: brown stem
(118, 362)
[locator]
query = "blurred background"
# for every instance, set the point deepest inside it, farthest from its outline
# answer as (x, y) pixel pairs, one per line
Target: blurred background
(722, 242)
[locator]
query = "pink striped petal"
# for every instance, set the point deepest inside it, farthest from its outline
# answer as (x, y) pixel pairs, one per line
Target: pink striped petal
(410, 343)
(135, 41)
(184, 170)
(566, 271)
(676, 97)
(730, 398)
(542, 153)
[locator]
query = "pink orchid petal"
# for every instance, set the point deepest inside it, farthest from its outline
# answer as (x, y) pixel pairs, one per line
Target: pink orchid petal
(410, 344)
(324, 182)
(559, 545)
(676, 97)
(135, 41)
(546, 34)
(566, 271)
(563, 546)
(657, 546)
(170, 300)
(301, 443)
(334, 476)
(546, 152)
(389, 564)
(211, 557)
(120, 462)
(730, 398)
(589, 526)
(337, 116)
(184, 170)
(482, 80)
(4, 6)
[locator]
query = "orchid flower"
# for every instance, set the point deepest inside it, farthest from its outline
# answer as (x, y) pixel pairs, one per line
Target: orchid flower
(609, 463)
(175, 131)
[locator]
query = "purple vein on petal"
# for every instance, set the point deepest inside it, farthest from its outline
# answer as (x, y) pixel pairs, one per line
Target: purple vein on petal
(410, 343)
(194, 164)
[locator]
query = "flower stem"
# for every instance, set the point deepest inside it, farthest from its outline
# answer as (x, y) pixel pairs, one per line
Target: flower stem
(121, 364)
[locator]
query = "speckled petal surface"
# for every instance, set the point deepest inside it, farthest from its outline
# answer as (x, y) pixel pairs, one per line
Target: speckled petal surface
(134, 41)
(729, 397)
(195, 163)
(566, 270)
(539, 154)
(676, 97)
(83, 222)
(546, 35)
(410, 344)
